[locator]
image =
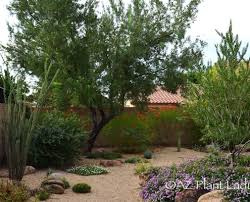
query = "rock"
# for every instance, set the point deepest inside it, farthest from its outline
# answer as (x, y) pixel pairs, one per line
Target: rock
(52, 181)
(110, 163)
(189, 195)
(29, 170)
(56, 176)
(213, 196)
(54, 189)
(4, 173)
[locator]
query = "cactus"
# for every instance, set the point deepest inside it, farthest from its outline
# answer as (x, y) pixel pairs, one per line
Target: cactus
(178, 141)
(18, 127)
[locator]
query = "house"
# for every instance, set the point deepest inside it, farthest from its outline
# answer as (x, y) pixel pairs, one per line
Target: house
(162, 99)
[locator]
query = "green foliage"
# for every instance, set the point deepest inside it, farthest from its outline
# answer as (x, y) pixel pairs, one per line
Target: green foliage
(172, 123)
(66, 184)
(18, 126)
(42, 195)
(112, 53)
(143, 168)
(243, 161)
(58, 139)
(13, 193)
(128, 133)
(220, 102)
(148, 154)
(104, 155)
(136, 160)
(81, 188)
(88, 170)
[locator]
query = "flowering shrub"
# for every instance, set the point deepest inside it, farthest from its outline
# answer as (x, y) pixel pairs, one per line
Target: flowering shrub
(204, 174)
(88, 170)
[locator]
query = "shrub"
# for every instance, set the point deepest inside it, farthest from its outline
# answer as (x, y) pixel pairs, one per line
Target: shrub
(214, 169)
(220, 101)
(143, 168)
(81, 188)
(57, 140)
(13, 193)
(42, 195)
(169, 124)
(136, 160)
(88, 170)
(148, 154)
(243, 161)
(104, 155)
(66, 184)
(128, 133)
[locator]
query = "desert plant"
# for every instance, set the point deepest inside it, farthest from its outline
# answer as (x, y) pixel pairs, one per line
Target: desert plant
(18, 128)
(42, 195)
(143, 168)
(136, 160)
(178, 141)
(81, 188)
(66, 184)
(220, 101)
(88, 170)
(148, 154)
(57, 140)
(10, 192)
(104, 155)
(128, 133)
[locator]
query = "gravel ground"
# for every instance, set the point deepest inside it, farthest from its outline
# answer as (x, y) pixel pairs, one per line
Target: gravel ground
(120, 185)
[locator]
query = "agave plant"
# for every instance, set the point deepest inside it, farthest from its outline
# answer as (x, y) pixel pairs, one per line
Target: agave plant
(18, 125)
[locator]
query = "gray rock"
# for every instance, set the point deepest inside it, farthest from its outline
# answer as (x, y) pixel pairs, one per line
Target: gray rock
(52, 181)
(29, 170)
(54, 188)
(56, 176)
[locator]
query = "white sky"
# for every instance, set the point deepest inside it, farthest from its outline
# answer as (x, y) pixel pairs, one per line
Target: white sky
(213, 14)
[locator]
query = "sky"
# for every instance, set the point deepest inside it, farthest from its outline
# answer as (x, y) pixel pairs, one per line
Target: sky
(213, 15)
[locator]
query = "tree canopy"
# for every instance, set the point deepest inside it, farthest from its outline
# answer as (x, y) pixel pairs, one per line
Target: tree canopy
(108, 54)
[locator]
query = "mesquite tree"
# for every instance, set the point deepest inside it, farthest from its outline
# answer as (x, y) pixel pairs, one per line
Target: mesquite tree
(19, 123)
(108, 55)
(220, 101)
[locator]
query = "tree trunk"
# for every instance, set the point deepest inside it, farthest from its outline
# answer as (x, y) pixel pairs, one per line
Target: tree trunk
(98, 125)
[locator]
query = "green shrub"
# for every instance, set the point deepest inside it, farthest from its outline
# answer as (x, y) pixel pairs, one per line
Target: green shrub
(143, 168)
(243, 161)
(13, 193)
(129, 133)
(66, 184)
(88, 170)
(57, 140)
(169, 124)
(104, 155)
(136, 160)
(81, 188)
(42, 195)
(148, 154)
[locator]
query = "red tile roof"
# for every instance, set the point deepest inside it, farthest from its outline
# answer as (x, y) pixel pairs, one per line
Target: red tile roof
(161, 96)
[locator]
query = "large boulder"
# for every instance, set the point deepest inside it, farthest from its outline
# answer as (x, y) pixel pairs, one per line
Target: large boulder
(29, 170)
(49, 182)
(110, 163)
(213, 196)
(54, 188)
(56, 176)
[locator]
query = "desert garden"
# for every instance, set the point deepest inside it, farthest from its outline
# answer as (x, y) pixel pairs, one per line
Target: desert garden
(76, 119)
